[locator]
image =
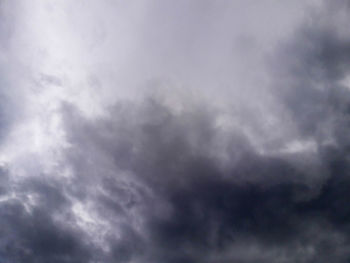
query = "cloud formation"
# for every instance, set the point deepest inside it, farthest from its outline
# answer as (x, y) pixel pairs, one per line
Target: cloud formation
(164, 131)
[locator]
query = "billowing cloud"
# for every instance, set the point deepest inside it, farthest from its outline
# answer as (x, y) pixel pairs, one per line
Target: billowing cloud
(174, 131)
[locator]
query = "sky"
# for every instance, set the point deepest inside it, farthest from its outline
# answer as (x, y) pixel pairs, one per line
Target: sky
(187, 131)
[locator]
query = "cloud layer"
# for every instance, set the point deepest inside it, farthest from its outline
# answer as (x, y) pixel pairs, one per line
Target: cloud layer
(174, 131)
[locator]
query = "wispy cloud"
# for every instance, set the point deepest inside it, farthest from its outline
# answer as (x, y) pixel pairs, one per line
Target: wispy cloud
(174, 131)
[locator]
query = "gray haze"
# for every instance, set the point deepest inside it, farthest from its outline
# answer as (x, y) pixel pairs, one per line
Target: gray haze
(174, 131)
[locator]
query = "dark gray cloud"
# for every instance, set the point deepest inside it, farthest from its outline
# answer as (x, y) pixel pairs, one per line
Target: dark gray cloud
(173, 179)
(264, 202)
(32, 234)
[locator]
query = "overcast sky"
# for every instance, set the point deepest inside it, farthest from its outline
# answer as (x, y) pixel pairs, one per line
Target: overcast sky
(174, 131)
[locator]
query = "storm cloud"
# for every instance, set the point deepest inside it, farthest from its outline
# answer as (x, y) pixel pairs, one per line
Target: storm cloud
(174, 131)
